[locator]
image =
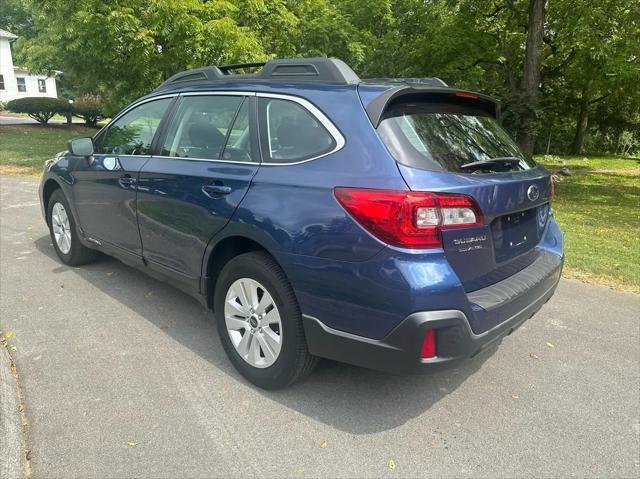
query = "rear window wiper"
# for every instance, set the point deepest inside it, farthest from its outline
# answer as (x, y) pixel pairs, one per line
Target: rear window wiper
(511, 160)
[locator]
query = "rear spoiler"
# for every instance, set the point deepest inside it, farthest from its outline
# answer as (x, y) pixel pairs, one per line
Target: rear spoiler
(408, 93)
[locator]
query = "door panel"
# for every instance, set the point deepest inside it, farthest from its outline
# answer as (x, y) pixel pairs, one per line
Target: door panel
(104, 190)
(177, 216)
(106, 201)
(184, 198)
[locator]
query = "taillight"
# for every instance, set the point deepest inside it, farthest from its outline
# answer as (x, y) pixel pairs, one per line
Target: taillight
(409, 219)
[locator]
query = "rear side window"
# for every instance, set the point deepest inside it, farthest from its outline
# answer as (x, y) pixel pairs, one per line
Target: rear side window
(290, 133)
(200, 126)
(446, 137)
(133, 132)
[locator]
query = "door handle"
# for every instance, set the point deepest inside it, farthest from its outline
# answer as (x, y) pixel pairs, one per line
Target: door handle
(126, 181)
(214, 191)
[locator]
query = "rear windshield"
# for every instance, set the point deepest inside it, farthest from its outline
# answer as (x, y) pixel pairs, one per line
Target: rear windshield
(449, 137)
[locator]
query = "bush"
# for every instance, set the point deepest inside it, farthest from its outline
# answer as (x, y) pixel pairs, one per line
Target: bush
(90, 108)
(40, 109)
(3, 106)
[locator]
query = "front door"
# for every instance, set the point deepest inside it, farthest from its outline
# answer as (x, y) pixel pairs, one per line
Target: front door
(105, 190)
(188, 192)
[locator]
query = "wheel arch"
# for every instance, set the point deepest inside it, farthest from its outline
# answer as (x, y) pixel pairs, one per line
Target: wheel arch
(222, 252)
(49, 187)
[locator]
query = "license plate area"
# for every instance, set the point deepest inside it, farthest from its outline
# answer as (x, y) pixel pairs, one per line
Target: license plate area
(514, 234)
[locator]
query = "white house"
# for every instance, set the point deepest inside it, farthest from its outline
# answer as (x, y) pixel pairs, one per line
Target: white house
(16, 82)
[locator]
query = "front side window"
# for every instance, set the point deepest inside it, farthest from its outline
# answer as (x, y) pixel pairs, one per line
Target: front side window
(448, 137)
(290, 133)
(42, 86)
(133, 132)
(1, 82)
(201, 125)
(22, 86)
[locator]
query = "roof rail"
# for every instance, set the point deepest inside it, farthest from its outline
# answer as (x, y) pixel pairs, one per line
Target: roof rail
(317, 70)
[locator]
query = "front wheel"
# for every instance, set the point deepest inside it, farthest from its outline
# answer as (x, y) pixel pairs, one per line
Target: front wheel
(62, 228)
(259, 322)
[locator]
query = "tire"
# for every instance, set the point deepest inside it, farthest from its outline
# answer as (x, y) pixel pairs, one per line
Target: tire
(293, 361)
(63, 233)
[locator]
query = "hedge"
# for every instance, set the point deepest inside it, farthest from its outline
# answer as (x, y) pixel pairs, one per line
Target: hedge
(90, 108)
(40, 109)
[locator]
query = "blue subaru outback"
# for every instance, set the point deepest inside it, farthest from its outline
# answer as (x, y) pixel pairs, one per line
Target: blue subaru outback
(390, 224)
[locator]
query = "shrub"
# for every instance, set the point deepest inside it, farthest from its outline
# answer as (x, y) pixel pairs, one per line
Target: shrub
(90, 108)
(3, 106)
(40, 109)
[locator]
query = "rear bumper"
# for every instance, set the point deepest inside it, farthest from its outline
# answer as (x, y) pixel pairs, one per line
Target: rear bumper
(399, 351)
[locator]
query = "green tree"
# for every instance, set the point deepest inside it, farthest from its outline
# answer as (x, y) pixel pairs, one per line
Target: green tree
(123, 49)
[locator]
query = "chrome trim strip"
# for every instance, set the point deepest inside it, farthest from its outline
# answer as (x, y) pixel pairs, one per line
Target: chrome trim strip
(184, 158)
(343, 334)
(310, 107)
(131, 107)
(317, 113)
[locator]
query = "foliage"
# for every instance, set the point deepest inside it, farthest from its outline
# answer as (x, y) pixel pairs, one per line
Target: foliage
(90, 108)
(590, 66)
(40, 109)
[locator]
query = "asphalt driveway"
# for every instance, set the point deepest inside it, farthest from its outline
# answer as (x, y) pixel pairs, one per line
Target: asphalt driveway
(124, 376)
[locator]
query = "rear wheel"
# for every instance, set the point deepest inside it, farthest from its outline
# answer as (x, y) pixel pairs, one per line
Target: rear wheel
(62, 228)
(259, 322)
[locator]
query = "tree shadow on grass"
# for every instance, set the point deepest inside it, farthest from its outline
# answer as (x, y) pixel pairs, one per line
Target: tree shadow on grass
(348, 398)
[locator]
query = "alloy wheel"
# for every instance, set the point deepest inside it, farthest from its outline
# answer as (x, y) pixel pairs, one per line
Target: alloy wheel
(253, 322)
(61, 228)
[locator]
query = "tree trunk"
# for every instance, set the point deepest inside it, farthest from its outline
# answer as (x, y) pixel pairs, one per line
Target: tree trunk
(532, 74)
(582, 122)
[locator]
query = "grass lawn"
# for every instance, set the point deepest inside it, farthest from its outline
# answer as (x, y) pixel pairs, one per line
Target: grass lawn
(24, 148)
(598, 209)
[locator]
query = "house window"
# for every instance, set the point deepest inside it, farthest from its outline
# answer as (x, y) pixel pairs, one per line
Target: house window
(1, 82)
(42, 86)
(22, 86)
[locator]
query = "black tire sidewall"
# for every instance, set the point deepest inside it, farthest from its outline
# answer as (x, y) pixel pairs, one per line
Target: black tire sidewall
(261, 268)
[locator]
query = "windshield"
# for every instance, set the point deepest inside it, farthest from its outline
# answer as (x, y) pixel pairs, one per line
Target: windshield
(449, 137)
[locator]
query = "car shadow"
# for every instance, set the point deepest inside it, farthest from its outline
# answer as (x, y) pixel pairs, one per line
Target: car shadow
(351, 399)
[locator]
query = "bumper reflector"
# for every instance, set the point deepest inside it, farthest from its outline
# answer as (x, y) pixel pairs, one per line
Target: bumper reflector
(429, 346)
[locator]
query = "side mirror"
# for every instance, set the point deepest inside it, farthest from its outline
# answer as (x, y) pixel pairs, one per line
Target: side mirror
(81, 147)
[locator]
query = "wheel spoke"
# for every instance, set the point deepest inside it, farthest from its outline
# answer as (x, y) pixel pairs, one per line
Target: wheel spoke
(264, 303)
(254, 350)
(269, 354)
(272, 339)
(235, 323)
(253, 294)
(244, 344)
(272, 317)
(237, 308)
(63, 242)
(244, 297)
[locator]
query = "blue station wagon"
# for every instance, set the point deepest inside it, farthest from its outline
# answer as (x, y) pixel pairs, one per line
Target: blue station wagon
(387, 223)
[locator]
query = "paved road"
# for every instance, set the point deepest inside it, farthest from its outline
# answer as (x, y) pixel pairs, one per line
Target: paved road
(125, 377)
(14, 120)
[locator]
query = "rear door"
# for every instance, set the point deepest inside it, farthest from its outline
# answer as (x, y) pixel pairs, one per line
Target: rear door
(453, 146)
(189, 190)
(105, 190)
